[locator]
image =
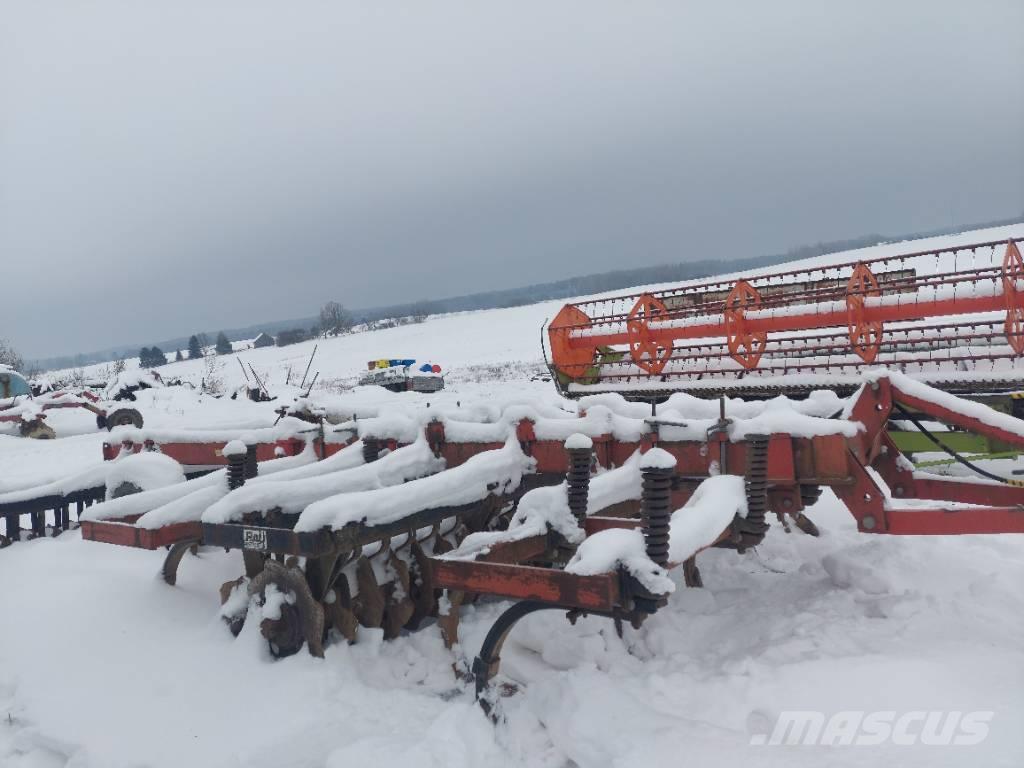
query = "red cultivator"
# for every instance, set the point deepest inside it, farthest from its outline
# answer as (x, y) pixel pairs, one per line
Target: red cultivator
(385, 534)
(817, 327)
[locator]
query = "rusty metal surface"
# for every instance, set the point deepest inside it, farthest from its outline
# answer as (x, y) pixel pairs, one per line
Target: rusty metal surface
(124, 533)
(548, 585)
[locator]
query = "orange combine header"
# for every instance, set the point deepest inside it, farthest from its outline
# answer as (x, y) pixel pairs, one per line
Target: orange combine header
(815, 326)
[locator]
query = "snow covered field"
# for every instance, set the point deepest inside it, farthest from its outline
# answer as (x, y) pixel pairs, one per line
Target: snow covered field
(102, 664)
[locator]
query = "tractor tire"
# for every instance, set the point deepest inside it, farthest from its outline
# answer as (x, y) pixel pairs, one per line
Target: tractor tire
(37, 430)
(101, 421)
(123, 417)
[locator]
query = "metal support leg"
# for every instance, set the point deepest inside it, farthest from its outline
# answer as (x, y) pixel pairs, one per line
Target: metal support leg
(173, 560)
(37, 522)
(485, 665)
(12, 527)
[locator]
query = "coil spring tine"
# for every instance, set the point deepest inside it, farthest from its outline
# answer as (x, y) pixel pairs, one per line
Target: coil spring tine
(756, 486)
(655, 514)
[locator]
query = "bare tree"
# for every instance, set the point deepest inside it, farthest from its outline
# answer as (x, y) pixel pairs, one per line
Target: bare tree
(213, 375)
(9, 356)
(334, 319)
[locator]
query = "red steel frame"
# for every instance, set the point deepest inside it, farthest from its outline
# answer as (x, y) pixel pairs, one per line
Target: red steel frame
(211, 453)
(992, 507)
(839, 462)
(832, 460)
(124, 533)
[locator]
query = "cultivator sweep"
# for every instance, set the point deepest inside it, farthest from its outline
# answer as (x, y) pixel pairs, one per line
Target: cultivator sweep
(583, 512)
(953, 318)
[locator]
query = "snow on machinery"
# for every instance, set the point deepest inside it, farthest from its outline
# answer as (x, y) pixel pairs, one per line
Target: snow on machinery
(196, 453)
(29, 412)
(951, 317)
(413, 514)
(400, 375)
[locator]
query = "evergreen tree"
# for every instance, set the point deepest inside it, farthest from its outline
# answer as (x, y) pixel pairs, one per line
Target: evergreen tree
(223, 346)
(151, 357)
(177, 356)
(194, 350)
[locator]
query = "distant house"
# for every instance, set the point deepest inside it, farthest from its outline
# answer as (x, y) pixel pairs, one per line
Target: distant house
(263, 340)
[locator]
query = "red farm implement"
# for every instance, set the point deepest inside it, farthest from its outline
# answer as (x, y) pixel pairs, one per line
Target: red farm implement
(386, 533)
(198, 453)
(30, 413)
(952, 317)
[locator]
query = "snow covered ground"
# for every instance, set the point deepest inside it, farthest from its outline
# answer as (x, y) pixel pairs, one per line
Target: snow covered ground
(102, 664)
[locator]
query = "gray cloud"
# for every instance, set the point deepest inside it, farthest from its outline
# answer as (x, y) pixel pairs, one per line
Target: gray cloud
(201, 165)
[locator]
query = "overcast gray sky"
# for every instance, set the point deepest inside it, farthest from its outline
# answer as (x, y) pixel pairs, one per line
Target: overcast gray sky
(168, 167)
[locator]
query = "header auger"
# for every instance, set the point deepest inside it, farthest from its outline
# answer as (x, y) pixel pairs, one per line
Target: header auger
(819, 326)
